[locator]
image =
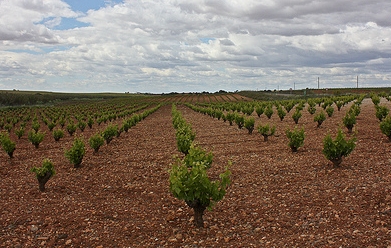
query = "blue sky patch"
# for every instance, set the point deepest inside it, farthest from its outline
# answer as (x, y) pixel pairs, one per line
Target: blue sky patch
(206, 39)
(70, 23)
(84, 5)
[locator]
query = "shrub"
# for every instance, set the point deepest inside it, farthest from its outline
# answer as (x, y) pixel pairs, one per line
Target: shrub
(230, 117)
(58, 134)
(381, 112)
(219, 114)
(224, 117)
(8, 127)
(330, 111)
(96, 141)
(197, 154)
(296, 138)
(375, 99)
(248, 110)
(289, 106)
(90, 122)
(335, 150)
(35, 126)
(266, 131)
(339, 105)
(44, 173)
(125, 126)
(281, 113)
(249, 124)
(62, 122)
(349, 120)
(109, 133)
(20, 132)
(355, 109)
(51, 125)
(300, 106)
(76, 153)
(269, 111)
(35, 138)
(193, 185)
(239, 120)
(7, 144)
(71, 128)
(185, 137)
(311, 110)
(81, 125)
(320, 118)
(259, 110)
(296, 116)
(385, 127)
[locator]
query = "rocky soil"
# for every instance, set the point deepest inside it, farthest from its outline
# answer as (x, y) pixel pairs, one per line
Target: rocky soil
(120, 196)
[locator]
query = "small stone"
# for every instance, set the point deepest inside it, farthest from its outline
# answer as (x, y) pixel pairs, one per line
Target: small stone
(219, 234)
(172, 239)
(62, 236)
(179, 236)
(68, 242)
(34, 228)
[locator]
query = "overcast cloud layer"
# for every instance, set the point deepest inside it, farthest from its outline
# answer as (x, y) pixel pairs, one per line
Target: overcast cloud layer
(200, 45)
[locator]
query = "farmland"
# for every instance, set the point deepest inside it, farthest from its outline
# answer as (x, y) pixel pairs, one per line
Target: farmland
(120, 197)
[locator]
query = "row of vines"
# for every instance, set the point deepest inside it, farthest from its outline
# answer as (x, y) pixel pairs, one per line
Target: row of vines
(104, 121)
(245, 114)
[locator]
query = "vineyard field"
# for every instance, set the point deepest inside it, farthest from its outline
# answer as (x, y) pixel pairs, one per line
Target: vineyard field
(120, 195)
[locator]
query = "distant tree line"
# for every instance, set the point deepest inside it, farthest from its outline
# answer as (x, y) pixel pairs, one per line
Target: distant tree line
(20, 98)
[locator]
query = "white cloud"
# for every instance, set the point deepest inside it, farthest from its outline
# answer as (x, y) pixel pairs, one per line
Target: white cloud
(177, 45)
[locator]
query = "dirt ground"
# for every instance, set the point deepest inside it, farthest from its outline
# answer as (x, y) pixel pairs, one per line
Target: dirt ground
(120, 197)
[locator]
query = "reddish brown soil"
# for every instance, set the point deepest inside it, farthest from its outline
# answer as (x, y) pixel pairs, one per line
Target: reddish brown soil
(120, 196)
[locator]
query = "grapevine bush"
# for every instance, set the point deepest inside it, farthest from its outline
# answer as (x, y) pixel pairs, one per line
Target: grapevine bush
(35, 138)
(330, 111)
(266, 131)
(192, 184)
(269, 111)
(71, 128)
(296, 116)
(249, 124)
(7, 144)
(349, 120)
(320, 118)
(58, 134)
(76, 153)
(20, 132)
(109, 133)
(335, 150)
(296, 138)
(44, 173)
(281, 113)
(381, 112)
(385, 127)
(239, 120)
(96, 141)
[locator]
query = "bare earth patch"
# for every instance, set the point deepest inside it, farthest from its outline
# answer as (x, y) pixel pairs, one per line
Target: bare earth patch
(120, 196)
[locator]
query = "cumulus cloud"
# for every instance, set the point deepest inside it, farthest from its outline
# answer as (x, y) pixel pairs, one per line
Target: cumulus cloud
(21, 20)
(177, 45)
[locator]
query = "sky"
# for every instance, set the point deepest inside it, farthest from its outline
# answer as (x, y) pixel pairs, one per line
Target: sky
(162, 46)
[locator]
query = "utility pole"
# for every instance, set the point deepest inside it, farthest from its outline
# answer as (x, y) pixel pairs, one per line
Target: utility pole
(318, 83)
(357, 82)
